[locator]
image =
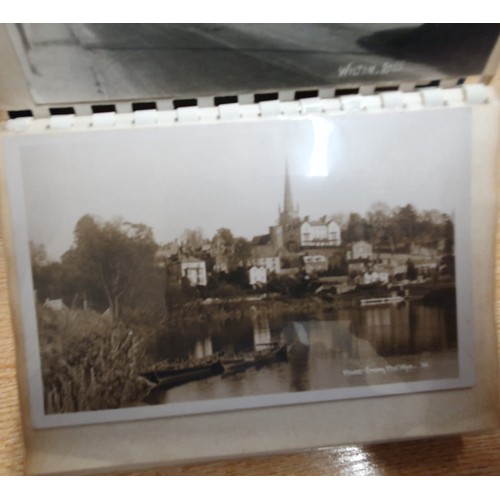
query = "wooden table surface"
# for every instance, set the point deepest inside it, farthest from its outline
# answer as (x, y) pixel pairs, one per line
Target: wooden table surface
(477, 454)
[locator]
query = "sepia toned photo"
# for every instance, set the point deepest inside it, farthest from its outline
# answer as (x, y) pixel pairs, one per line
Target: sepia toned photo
(226, 266)
(73, 63)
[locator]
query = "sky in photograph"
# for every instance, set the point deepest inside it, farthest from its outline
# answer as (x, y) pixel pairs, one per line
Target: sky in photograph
(232, 175)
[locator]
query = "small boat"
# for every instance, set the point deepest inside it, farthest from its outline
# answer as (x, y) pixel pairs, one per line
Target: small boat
(273, 354)
(172, 377)
(382, 301)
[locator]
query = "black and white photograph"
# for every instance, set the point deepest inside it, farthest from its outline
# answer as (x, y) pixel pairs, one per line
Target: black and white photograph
(72, 63)
(209, 267)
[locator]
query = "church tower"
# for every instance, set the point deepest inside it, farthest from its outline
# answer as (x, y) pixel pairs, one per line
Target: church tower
(286, 235)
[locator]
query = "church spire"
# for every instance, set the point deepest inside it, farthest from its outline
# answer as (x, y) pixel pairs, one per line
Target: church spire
(288, 202)
(289, 213)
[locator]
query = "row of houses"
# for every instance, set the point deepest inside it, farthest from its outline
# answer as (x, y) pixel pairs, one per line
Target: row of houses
(295, 244)
(358, 259)
(258, 272)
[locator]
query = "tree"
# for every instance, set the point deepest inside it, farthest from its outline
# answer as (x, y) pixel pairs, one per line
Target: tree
(192, 240)
(48, 276)
(379, 217)
(406, 222)
(224, 241)
(357, 229)
(114, 258)
(242, 251)
(223, 246)
(448, 233)
(38, 254)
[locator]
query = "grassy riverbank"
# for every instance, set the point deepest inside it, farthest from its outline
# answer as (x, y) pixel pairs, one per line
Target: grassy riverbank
(88, 363)
(313, 304)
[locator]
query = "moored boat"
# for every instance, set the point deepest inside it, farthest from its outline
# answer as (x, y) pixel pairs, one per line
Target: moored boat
(274, 353)
(167, 378)
(172, 377)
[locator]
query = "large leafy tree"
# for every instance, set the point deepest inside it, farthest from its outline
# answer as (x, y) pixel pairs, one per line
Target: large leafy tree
(48, 276)
(113, 261)
(406, 223)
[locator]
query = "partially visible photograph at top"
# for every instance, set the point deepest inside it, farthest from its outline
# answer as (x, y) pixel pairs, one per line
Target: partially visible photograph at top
(69, 63)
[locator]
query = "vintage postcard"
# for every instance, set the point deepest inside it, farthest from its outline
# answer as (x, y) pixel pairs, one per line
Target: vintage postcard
(212, 267)
(72, 63)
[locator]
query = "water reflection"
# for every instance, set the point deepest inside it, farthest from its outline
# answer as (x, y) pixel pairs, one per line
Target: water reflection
(408, 328)
(202, 349)
(261, 332)
(323, 351)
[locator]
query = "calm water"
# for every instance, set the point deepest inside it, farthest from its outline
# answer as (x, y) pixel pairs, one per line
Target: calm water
(353, 347)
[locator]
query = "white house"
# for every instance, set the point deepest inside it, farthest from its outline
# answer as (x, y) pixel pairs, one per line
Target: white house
(195, 270)
(374, 274)
(272, 264)
(360, 250)
(264, 255)
(257, 276)
(321, 233)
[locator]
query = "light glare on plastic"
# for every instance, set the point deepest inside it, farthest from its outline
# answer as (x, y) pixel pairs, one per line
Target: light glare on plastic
(318, 161)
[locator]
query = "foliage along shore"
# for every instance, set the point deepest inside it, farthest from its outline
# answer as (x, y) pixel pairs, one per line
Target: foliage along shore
(88, 363)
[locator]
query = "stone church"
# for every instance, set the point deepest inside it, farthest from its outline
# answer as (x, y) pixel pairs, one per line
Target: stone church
(294, 234)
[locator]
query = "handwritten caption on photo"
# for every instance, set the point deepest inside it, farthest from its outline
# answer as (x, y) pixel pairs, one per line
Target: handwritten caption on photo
(385, 68)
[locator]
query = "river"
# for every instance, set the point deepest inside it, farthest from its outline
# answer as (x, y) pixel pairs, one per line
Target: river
(351, 347)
